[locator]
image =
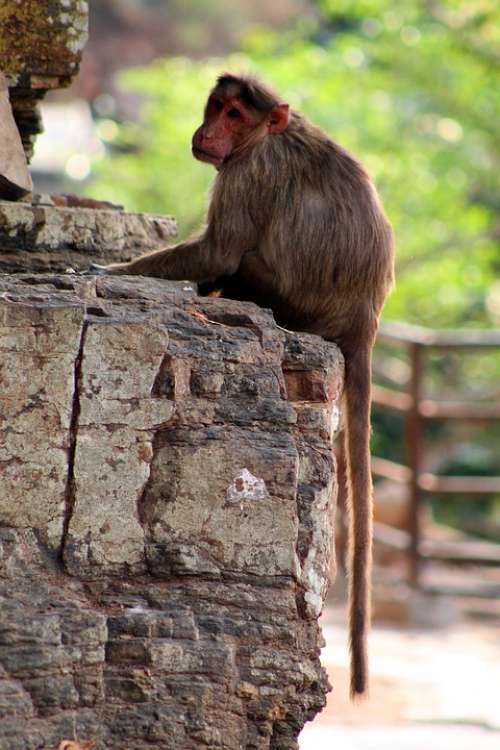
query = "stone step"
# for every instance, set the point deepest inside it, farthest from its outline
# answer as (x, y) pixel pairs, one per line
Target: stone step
(52, 234)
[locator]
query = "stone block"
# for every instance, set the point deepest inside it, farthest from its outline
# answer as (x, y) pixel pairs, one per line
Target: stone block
(39, 345)
(117, 420)
(187, 499)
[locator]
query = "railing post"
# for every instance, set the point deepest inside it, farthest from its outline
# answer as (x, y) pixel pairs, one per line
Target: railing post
(414, 444)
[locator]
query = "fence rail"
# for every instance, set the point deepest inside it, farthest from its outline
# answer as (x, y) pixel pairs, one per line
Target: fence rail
(417, 410)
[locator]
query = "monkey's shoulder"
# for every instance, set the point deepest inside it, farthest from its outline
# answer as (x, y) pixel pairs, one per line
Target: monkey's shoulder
(309, 145)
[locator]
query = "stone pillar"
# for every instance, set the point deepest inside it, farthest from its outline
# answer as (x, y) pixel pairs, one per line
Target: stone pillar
(41, 43)
(166, 510)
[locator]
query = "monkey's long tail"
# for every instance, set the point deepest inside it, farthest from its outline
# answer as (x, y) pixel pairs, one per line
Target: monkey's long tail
(359, 504)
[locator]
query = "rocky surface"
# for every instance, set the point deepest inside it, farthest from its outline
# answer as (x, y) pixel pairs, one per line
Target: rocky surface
(41, 45)
(47, 234)
(166, 490)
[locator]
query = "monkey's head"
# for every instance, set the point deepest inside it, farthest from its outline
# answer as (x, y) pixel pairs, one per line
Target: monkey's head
(239, 112)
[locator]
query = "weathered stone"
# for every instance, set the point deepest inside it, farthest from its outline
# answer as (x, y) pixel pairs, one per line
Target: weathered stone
(188, 508)
(41, 43)
(72, 200)
(15, 180)
(40, 49)
(163, 572)
(41, 237)
(39, 345)
(117, 420)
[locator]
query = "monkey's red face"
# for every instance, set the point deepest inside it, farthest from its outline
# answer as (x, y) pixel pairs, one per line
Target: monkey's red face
(227, 124)
(230, 125)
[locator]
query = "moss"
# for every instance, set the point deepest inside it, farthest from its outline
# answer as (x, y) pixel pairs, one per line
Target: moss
(42, 38)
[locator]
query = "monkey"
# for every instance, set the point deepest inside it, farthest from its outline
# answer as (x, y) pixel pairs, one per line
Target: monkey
(295, 224)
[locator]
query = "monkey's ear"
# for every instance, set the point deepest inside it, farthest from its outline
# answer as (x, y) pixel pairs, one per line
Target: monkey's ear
(278, 119)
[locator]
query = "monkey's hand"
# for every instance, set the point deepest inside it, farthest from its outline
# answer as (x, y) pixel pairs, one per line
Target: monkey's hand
(97, 270)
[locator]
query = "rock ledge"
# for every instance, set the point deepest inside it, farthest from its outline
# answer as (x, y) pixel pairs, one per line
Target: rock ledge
(42, 236)
(166, 517)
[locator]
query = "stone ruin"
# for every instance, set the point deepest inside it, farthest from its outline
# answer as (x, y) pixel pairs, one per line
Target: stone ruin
(166, 472)
(40, 50)
(41, 43)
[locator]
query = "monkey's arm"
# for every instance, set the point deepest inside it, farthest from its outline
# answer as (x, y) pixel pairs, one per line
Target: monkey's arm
(199, 259)
(231, 232)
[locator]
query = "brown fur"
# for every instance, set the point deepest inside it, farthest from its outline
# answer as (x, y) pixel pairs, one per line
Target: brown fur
(296, 225)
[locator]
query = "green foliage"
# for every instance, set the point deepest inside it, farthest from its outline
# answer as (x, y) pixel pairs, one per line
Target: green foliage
(412, 89)
(150, 167)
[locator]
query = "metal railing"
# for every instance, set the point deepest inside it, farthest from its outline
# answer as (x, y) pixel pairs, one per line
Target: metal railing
(417, 410)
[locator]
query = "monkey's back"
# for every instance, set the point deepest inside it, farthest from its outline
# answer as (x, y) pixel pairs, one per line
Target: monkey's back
(323, 260)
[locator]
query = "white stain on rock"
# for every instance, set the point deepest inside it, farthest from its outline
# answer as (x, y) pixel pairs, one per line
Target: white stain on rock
(246, 487)
(335, 420)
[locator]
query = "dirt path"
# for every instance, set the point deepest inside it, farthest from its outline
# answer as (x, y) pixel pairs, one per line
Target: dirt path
(429, 689)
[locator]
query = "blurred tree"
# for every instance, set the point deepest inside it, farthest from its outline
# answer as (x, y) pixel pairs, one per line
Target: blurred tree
(150, 167)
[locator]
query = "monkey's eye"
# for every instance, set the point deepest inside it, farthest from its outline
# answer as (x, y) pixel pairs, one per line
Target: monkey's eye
(234, 113)
(217, 104)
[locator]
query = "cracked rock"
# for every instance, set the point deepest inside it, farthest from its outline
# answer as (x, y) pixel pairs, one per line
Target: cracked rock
(167, 489)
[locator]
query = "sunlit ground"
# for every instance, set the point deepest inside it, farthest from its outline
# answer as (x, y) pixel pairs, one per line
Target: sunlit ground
(430, 690)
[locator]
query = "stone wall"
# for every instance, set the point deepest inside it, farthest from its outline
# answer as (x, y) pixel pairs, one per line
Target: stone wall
(166, 490)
